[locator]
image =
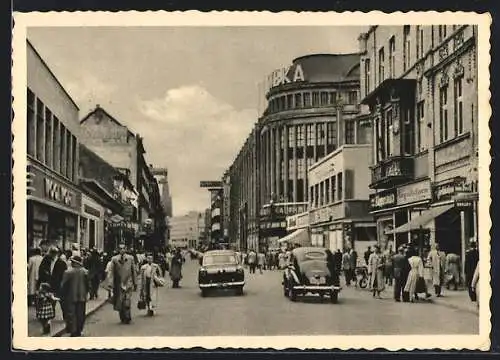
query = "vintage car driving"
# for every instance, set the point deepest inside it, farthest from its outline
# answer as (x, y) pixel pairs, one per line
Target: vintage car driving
(220, 269)
(311, 270)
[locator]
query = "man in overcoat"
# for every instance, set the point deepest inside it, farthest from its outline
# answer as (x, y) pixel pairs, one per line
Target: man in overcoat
(51, 271)
(400, 272)
(437, 269)
(123, 277)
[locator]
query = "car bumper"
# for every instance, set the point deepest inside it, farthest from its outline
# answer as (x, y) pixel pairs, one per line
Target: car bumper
(222, 285)
(316, 288)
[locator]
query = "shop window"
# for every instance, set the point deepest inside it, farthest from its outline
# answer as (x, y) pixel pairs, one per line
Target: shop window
(381, 64)
(339, 186)
(62, 148)
(298, 100)
(350, 132)
(40, 130)
(307, 99)
(392, 57)
(324, 98)
(458, 107)
(31, 138)
(443, 114)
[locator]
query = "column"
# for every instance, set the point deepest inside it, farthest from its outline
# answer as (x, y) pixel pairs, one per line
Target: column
(269, 167)
(294, 195)
(285, 172)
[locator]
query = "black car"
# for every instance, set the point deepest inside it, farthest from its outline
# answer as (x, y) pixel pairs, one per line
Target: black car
(220, 270)
(311, 270)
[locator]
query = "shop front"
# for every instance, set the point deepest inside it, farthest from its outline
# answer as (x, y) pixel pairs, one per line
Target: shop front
(53, 208)
(92, 224)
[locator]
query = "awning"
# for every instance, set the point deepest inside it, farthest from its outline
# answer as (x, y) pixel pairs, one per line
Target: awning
(300, 236)
(421, 221)
(116, 218)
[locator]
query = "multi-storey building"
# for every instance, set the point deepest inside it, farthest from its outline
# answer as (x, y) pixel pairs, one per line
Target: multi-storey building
(420, 83)
(53, 196)
(187, 230)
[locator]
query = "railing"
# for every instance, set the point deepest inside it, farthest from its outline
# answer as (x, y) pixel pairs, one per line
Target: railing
(392, 171)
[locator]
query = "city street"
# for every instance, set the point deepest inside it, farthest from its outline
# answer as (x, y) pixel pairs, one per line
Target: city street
(263, 310)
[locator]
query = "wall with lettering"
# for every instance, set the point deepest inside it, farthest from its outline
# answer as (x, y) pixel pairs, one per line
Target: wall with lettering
(415, 192)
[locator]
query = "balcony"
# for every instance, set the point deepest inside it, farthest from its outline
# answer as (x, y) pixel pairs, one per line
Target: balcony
(391, 172)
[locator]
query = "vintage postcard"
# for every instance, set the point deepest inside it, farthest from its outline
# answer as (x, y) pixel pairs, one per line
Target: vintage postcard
(251, 180)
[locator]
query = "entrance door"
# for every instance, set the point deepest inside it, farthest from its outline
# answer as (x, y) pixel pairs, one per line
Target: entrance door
(448, 232)
(92, 234)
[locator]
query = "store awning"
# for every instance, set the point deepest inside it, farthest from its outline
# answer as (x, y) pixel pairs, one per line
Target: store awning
(300, 236)
(116, 218)
(421, 221)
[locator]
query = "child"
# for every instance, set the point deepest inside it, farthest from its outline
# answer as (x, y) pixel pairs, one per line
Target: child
(45, 307)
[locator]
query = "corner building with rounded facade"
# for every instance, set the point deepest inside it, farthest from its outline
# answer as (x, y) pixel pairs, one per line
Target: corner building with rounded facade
(306, 102)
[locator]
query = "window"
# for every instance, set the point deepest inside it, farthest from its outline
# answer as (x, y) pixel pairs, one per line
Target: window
(282, 169)
(282, 103)
(307, 99)
(352, 97)
(300, 168)
(300, 135)
(291, 136)
(56, 160)
(40, 130)
(367, 76)
(322, 193)
(48, 137)
(315, 97)
(331, 133)
(316, 195)
(349, 132)
(388, 133)
(300, 190)
(443, 114)
(441, 32)
(333, 189)
(289, 102)
(458, 107)
(339, 186)
(69, 153)
(327, 191)
(420, 42)
(298, 100)
(324, 98)
(31, 136)
(408, 132)
(381, 64)
(310, 162)
(419, 126)
(332, 97)
(311, 195)
(407, 47)
(282, 139)
(392, 57)
(74, 157)
(62, 149)
(311, 139)
(291, 169)
(320, 131)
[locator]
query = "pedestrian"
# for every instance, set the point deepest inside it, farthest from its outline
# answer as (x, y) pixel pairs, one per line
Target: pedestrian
(33, 267)
(400, 273)
(437, 271)
(176, 268)
(353, 259)
(74, 290)
(51, 271)
(151, 280)
(261, 261)
(471, 260)
(416, 273)
(376, 272)
(346, 266)
(45, 306)
(94, 266)
(281, 260)
(123, 282)
(388, 269)
(475, 285)
(452, 270)
(252, 261)
(367, 254)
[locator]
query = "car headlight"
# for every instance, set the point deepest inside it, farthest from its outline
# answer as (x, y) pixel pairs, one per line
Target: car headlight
(203, 272)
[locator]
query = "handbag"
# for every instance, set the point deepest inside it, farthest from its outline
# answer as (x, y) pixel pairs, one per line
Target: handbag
(141, 304)
(158, 281)
(420, 287)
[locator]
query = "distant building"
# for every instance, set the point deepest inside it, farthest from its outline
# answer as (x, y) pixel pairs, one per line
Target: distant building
(187, 230)
(161, 175)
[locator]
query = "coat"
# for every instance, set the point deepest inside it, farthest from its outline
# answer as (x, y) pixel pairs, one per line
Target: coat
(416, 271)
(75, 285)
(153, 289)
(475, 282)
(53, 278)
(376, 270)
(471, 260)
(176, 268)
(453, 267)
(123, 280)
(437, 272)
(400, 266)
(33, 268)
(346, 261)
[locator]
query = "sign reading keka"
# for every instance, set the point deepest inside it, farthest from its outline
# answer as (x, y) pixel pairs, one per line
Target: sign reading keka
(289, 74)
(211, 184)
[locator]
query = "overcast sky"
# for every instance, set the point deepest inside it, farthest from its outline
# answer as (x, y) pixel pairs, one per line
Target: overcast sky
(191, 92)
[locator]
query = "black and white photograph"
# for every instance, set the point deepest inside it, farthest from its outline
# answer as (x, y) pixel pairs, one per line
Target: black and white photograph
(251, 180)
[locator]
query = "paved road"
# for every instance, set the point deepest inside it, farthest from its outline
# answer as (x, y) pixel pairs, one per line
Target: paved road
(264, 311)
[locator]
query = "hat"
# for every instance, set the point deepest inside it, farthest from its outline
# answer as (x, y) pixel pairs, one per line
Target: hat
(53, 249)
(76, 259)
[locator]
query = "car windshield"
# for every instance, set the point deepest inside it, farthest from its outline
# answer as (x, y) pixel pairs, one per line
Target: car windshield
(311, 255)
(219, 259)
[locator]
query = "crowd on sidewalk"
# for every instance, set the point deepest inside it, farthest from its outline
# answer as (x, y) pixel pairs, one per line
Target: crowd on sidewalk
(69, 279)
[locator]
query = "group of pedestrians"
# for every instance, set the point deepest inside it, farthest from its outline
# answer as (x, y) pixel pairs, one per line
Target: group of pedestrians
(269, 260)
(72, 278)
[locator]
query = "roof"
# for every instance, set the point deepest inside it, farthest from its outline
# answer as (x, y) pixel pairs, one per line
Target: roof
(328, 67)
(98, 108)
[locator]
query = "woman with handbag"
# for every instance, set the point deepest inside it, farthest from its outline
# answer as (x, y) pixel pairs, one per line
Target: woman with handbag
(415, 279)
(151, 280)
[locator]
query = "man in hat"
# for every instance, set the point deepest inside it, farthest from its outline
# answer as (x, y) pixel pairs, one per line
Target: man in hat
(123, 276)
(400, 272)
(74, 290)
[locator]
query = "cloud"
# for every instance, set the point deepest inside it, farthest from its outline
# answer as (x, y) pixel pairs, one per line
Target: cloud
(196, 136)
(88, 88)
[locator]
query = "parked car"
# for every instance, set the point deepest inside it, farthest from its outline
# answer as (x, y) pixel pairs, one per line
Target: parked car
(311, 270)
(220, 269)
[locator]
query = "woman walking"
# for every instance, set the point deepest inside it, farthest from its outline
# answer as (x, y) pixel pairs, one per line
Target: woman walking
(416, 273)
(376, 270)
(150, 281)
(176, 269)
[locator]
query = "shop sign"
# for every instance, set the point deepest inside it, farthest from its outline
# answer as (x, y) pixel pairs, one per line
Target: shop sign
(411, 193)
(285, 75)
(91, 211)
(383, 200)
(463, 204)
(447, 190)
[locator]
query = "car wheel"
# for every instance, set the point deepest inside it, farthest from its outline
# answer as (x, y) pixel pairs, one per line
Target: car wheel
(204, 292)
(292, 295)
(334, 296)
(239, 290)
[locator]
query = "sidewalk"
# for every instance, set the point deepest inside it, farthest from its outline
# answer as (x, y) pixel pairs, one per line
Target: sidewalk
(57, 326)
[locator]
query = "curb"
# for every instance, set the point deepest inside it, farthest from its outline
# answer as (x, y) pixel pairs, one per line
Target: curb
(457, 307)
(62, 331)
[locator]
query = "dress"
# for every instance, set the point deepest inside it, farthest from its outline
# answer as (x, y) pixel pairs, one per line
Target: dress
(376, 269)
(148, 287)
(416, 271)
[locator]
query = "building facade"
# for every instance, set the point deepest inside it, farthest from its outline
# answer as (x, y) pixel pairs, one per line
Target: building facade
(53, 197)
(339, 214)
(420, 83)
(187, 231)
